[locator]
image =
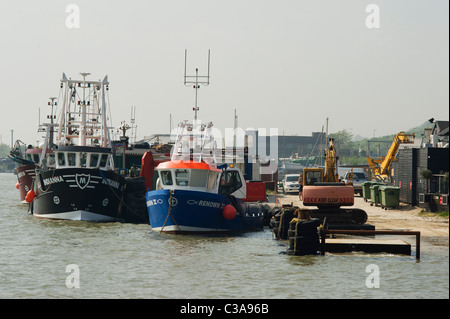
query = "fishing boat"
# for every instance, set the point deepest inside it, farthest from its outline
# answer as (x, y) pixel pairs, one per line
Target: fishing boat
(28, 157)
(194, 194)
(82, 184)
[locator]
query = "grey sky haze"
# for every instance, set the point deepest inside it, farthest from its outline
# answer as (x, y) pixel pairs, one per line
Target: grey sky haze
(288, 64)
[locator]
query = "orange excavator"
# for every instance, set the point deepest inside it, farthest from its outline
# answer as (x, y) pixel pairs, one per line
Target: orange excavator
(321, 188)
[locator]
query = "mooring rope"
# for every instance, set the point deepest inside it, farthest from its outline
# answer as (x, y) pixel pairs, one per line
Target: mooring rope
(121, 200)
(170, 213)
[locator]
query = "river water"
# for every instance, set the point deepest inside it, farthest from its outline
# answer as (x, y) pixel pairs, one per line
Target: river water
(48, 259)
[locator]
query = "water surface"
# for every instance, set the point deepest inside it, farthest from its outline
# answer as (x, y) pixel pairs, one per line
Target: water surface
(118, 260)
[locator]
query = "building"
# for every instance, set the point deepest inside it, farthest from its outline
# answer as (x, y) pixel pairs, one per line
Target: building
(408, 171)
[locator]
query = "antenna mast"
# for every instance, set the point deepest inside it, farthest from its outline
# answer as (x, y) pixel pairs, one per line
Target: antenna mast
(196, 80)
(133, 124)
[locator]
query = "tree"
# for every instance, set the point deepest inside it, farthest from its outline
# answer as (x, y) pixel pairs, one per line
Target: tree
(427, 175)
(343, 141)
(344, 137)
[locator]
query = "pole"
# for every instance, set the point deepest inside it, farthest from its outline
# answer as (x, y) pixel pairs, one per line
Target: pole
(196, 93)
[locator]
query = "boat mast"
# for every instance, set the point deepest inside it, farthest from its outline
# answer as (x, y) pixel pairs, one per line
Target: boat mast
(62, 121)
(105, 127)
(52, 103)
(83, 112)
(196, 80)
(84, 124)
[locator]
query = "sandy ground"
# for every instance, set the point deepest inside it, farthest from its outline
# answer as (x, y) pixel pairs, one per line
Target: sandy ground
(434, 230)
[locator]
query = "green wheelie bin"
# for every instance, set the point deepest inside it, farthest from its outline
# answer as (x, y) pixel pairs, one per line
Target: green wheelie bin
(389, 196)
(366, 190)
(375, 194)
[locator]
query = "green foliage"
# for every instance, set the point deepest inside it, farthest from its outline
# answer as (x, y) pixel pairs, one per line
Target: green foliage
(4, 150)
(443, 214)
(343, 137)
(426, 174)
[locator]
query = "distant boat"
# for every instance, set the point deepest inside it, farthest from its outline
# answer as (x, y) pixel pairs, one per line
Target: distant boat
(82, 183)
(27, 157)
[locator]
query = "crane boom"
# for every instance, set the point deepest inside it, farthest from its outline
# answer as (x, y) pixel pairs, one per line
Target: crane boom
(381, 167)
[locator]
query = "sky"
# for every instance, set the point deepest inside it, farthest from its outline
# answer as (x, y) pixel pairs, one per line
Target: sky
(285, 64)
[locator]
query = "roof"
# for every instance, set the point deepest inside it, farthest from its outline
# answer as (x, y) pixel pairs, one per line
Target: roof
(441, 128)
(187, 165)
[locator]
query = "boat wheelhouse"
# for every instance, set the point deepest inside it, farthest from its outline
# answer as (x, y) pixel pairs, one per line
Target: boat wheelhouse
(188, 176)
(83, 157)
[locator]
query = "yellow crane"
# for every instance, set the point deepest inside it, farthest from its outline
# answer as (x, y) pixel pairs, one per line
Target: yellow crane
(382, 166)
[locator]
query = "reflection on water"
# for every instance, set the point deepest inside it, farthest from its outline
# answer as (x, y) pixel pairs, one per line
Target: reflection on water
(130, 261)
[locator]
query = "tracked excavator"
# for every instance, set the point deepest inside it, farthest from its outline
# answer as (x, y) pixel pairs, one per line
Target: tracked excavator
(321, 188)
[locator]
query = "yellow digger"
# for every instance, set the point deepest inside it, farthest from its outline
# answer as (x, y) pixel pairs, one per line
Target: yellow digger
(381, 167)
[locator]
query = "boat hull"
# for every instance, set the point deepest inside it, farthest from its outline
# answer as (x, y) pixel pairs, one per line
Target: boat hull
(25, 177)
(199, 212)
(78, 194)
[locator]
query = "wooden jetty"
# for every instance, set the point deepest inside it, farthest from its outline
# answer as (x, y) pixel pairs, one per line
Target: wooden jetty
(394, 246)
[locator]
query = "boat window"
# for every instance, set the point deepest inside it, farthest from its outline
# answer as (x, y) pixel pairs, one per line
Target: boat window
(51, 160)
(83, 158)
(93, 161)
(61, 159)
(182, 177)
(103, 160)
(166, 177)
(199, 178)
(36, 158)
(111, 161)
(72, 159)
(212, 178)
(230, 182)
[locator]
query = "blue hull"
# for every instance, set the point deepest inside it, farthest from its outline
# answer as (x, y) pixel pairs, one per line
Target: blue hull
(192, 211)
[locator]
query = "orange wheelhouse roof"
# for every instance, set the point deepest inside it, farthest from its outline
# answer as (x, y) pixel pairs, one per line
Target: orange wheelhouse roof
(187, 165)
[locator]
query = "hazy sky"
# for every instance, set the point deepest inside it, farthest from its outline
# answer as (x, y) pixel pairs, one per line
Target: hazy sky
(286, 64)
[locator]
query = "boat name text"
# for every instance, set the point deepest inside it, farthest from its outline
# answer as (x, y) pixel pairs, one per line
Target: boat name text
(53, 180)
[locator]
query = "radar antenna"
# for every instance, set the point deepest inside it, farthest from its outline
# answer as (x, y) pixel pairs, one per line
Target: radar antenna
(196, 80)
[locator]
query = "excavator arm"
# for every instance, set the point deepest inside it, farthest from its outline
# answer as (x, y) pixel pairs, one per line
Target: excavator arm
(381, 167)
(331, 158)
